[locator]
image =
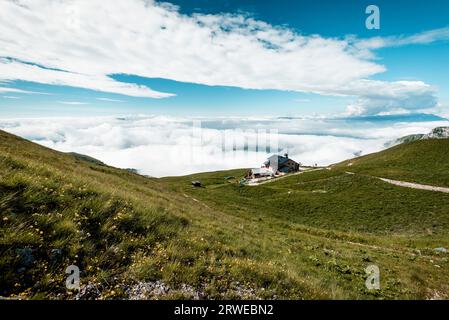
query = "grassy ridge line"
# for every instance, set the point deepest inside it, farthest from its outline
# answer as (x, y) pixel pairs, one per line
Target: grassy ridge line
(423, 162)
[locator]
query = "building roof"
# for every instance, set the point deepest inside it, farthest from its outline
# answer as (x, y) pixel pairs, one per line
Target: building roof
(276, 162)
(280, 160)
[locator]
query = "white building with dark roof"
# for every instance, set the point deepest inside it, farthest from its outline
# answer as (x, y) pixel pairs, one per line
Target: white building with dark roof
(274, 166)
(281, 164)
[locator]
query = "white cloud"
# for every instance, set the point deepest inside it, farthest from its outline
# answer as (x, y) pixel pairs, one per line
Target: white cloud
(84, 42)
(378, 97)
(146, 39)
(15, 70)
(109, 100)
(10, 97)
(14, 90)
(425, 37)
(72, 102)
(161, 146)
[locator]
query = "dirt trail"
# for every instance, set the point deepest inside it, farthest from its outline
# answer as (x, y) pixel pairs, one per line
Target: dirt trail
(410, 184)
(415, 185)
(390, 181)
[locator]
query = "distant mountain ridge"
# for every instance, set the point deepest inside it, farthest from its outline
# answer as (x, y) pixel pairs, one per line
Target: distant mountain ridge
(436, 133)
(412, 117)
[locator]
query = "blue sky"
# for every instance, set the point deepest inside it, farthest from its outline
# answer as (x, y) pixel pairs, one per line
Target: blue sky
(330, 17)
(115, 72)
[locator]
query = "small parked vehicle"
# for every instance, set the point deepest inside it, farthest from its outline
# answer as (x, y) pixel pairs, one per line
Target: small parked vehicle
(196, 183)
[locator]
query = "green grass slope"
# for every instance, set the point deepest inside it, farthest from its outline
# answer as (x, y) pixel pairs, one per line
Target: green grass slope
(424, 161)
(330, 200)
(58, 210)
(303, 237)
(328, 225)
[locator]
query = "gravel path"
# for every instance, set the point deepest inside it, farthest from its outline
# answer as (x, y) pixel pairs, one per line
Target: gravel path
(394, 182)
(415, 185)
(410, 184)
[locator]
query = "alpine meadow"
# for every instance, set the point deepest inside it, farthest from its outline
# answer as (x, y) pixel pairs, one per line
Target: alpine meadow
(224, 159)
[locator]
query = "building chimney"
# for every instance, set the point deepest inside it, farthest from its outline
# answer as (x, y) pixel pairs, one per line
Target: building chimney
(286, 155)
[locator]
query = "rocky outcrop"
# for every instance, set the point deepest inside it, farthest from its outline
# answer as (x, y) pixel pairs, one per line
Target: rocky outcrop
(437, 133)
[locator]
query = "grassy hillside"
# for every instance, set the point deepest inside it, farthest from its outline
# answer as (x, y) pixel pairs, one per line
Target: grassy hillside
(328, 199)
(58, 210)
(424, 161)
(303, 237)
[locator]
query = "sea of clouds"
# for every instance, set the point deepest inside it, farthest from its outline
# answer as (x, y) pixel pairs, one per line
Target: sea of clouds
(168, 146)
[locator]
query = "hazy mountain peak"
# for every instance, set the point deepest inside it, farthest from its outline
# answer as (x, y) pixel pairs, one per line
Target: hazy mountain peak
(436, 133)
